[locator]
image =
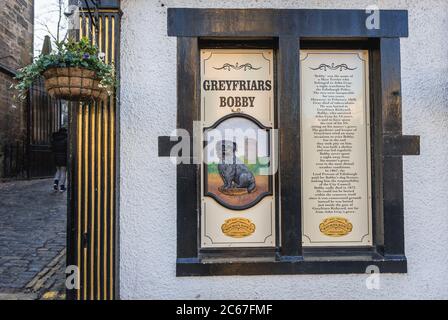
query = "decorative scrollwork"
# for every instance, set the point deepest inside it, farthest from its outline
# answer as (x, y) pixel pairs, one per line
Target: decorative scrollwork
(341, 67)
(229, 67)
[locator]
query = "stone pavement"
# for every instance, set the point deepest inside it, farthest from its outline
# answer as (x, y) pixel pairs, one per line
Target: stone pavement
(32, 240)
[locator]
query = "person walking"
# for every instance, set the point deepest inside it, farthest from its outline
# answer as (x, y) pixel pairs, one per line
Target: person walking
(59, 149)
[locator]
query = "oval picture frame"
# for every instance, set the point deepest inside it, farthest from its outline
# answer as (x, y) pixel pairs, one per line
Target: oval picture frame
(237, 198)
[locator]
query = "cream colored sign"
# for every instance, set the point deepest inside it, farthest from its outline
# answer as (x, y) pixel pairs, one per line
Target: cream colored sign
(335, 139)
(237, 81)
(237, 101)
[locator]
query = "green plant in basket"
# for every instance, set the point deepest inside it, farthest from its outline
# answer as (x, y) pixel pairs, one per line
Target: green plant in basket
(74, 71)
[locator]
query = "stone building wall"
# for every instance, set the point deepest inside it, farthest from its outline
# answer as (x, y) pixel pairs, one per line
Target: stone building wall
(16, 48)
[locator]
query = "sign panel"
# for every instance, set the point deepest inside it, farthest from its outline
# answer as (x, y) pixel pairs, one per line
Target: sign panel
(237, 96)
(335, 140)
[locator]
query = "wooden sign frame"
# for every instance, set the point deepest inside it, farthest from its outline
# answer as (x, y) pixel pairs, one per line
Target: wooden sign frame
(288, 31)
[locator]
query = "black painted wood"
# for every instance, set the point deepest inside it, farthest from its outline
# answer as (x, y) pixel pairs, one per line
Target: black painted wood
(188, 183)
(72, 189)
(318, 265)
(376, 145)
(398, 145)
(289, 146)
(222, 43)
(392, 174)
(187, 22)
(165, 144)
(104, 4)
(393, 206)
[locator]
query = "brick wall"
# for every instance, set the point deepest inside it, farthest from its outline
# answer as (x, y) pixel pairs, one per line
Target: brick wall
(16, 48)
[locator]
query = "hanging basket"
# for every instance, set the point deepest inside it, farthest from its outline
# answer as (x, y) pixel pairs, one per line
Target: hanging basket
(74, 84)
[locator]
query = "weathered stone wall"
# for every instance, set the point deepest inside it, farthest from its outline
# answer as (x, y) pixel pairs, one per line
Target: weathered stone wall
(16, 48)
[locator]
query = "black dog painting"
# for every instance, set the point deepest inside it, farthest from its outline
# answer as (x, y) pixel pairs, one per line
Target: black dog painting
(236, 159)
(237, 178)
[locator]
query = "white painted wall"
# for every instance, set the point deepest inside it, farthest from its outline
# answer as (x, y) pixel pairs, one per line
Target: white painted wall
(148, 183)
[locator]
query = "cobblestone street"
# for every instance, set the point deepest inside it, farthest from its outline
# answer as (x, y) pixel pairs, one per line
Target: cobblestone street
(32, 240)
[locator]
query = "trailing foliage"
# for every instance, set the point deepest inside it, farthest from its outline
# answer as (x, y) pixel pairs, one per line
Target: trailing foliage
(69, 53)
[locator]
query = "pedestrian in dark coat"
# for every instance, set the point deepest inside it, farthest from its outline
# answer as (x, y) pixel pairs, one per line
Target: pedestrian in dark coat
(59, 149)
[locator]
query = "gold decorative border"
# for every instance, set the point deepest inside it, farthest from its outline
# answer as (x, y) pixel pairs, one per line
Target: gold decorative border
(335, 226)
(238, 227)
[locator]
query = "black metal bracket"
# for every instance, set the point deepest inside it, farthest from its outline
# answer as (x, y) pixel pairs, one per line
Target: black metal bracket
(8, 71)
(394, 145)
(401, 145)
(166, 143)
(93, 16)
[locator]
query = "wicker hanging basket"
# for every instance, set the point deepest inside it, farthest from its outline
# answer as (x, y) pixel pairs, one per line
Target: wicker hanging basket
(74, 84)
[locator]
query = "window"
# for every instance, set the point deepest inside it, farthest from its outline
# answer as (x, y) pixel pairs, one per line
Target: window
(339, 178)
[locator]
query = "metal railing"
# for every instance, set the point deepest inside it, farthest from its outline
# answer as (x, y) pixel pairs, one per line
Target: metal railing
(14, 160)
(45, 116)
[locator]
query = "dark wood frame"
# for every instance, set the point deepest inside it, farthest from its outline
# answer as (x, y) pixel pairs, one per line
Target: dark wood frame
(291, 29)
